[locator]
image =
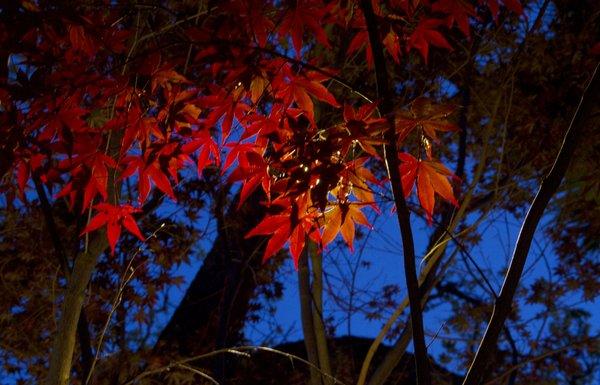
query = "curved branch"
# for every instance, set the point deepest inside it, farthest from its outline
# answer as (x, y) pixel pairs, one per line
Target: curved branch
(241, 351)
(503, 305)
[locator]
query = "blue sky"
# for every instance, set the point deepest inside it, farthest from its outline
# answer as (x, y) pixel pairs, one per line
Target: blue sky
(384, 252)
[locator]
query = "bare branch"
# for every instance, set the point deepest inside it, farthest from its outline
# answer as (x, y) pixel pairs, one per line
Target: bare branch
(306, 315)
(503, 305)
(237, 351)
(317, 310)
(392, 163)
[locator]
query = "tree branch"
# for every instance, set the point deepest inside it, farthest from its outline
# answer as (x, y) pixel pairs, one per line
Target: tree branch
(231, 262)
(503, 305)
(317, 312)
(391, 157)
(64, 340)
(83, 330)
(306, 316)
(63, 346)
(454, 290)
(442, 230)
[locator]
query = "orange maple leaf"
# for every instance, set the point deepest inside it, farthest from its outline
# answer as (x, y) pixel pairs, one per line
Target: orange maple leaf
(426, 115)
(341, 219)
(431, 177)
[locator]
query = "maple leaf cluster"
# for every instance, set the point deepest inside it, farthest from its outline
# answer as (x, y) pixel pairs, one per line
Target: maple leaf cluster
(93, 102)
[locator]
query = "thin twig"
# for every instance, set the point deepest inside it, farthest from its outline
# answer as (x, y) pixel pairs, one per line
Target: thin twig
(125, 279)
(239, 351)
(198, 372)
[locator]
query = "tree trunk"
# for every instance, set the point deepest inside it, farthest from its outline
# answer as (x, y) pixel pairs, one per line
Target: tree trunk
(214, 308)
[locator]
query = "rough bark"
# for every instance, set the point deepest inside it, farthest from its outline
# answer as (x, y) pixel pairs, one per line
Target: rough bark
(64, 339)
(63, 345)
(83, 331)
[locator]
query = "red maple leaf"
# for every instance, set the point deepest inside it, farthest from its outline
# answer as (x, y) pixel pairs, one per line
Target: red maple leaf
(362, 128)
(425, 35)
(297, 88)
(255, 13)
(458, 12)
(209, 150)
(89, 168)
(226, 105)
(293, 225)
(252, 170)
(361, 39)
(148, 172)
(180, 111)
(304, 15)
(63, 119)
(428, 116)
(25, 164)
(114, 217)
(137, 127)
(278, 226)
(353, 180)
(431, 177)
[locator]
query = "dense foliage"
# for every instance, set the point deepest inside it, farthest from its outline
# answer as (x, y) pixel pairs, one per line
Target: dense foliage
(313, 117)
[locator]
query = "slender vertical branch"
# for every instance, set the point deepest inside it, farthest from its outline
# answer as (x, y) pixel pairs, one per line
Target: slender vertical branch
(503, 305)
(307, 318)
(453, 289)
(317, 312)
(385, 94)
(437, 239)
